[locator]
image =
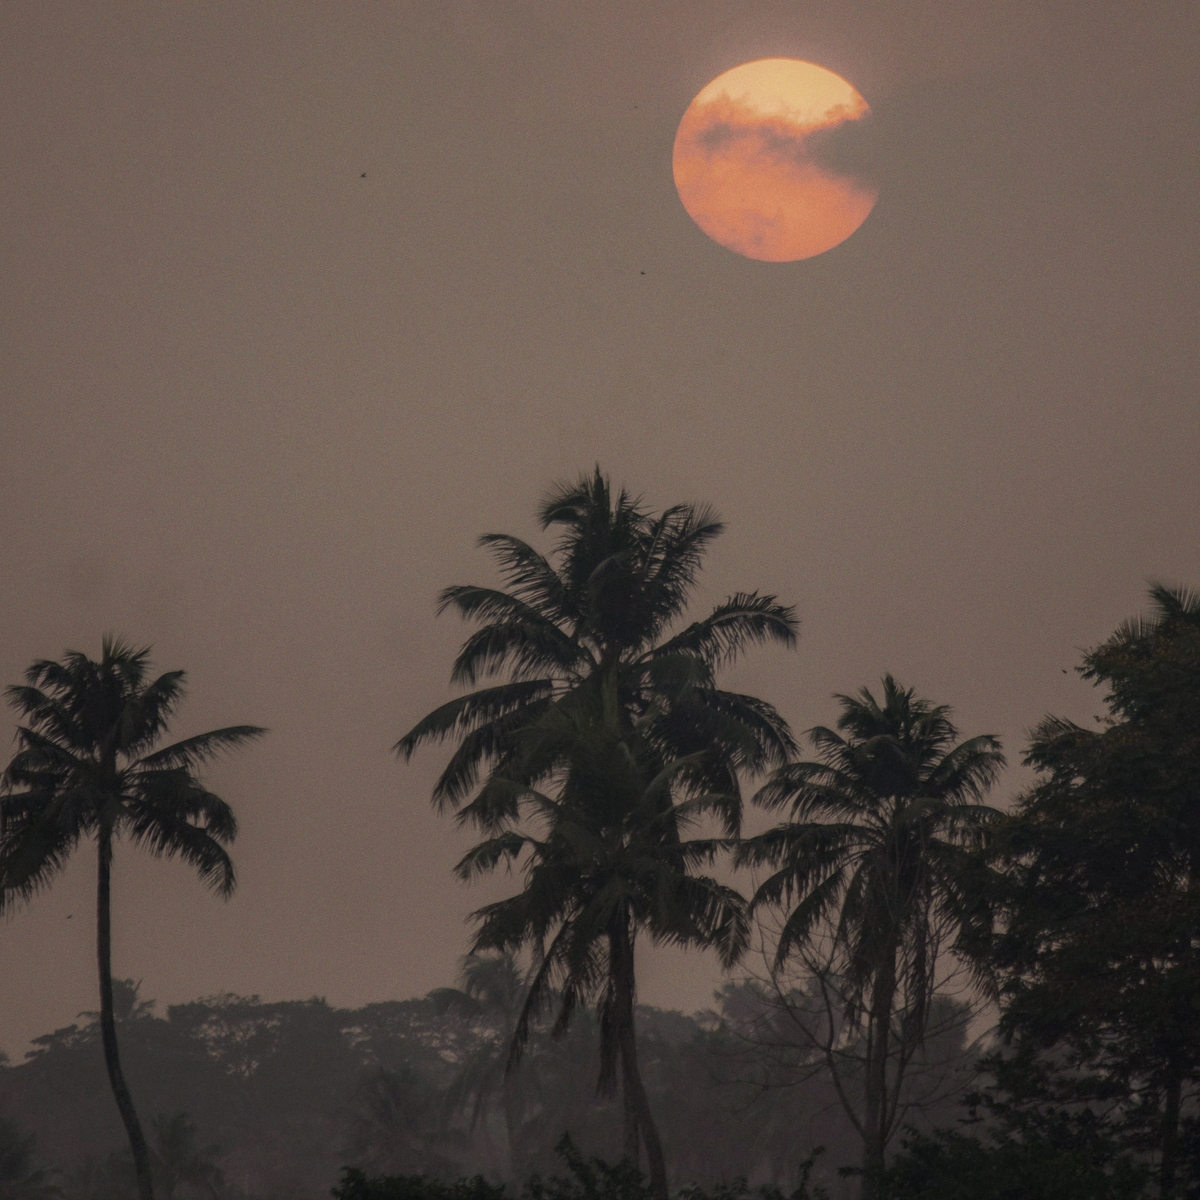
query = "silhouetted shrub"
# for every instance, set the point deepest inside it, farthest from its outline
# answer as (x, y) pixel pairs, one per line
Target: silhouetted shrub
(586, 1179)
(954, 1166)
(355, 1185)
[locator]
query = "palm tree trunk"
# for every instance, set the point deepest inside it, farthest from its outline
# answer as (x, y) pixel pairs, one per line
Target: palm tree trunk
(634, 1092)
(875, 1106)
(108, 1026)
(1169, 1135)
(632, 1143)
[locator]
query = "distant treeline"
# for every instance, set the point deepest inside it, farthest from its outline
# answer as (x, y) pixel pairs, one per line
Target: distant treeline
(278, 1097)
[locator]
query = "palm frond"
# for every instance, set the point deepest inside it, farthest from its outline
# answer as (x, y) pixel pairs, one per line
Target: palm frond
(496, 743)
(674, 552)
(172, 816)
(464, 714)
(696, 910)
(744, 620)
(970, 769)
(530, 576)
(146, 712)
(813, 909)
(527, 649)
(35, 843)
(487, 856)
(193, 752)
(177, 795)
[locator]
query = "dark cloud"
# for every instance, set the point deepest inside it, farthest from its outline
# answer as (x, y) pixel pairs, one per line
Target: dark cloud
(717, 134)
(850, 148)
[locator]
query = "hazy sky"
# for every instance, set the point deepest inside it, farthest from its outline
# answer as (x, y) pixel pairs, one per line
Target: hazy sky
(257, 407)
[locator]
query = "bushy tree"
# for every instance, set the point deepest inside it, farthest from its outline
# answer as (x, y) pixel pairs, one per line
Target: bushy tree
(1100, 953)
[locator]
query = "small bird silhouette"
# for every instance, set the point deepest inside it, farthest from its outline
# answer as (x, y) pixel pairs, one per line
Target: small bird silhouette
(363, 175)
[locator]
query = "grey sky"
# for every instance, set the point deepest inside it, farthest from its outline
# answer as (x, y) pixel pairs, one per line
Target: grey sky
(256, 407)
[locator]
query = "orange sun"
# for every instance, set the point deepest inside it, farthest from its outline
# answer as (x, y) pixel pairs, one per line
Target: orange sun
(763, 160)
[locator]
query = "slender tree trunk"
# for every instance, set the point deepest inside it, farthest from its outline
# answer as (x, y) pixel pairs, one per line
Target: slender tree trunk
(879, 1023)
(512, 1126)
(632, 1143)
(108, 1026)
(1169, 1136)
(634, 1093)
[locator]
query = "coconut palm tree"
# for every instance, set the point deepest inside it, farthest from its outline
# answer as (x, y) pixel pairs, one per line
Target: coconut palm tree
(875, 865)
(86, 768)
(599, 613)
(491, 996)
(181, 1161)
(591, 630)
(603, 860)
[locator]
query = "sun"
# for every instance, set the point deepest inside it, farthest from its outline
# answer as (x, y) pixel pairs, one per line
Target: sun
(764, 160)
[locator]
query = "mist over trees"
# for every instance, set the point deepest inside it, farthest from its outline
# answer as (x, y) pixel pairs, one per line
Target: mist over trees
(290, 1092)
(931, 992)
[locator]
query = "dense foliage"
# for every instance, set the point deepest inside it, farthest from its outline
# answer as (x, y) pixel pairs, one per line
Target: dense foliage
(1100, 896)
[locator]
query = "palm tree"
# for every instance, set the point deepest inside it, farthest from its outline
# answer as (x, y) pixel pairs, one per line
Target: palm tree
(181, 1161)
(603, 860)
(492, 995)
(86, 767)
(875, 864)
(585, 632)
(600, 615)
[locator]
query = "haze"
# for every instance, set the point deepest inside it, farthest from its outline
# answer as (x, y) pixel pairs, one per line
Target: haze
(299, 300)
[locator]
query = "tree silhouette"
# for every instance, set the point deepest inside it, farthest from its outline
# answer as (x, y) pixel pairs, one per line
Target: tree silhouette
(491, 994)
(874, 865)
(599, 616)
(181, 1160)
(584, 633)
(86, 767)
(603, 860)
(1099, 958)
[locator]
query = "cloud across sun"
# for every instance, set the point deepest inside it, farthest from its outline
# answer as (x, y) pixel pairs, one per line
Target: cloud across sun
(760, 160)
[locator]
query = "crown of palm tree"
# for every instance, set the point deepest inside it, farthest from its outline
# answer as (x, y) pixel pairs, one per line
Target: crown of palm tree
(598, 612)
(877, 847)
(86, 767)
(86, 760)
